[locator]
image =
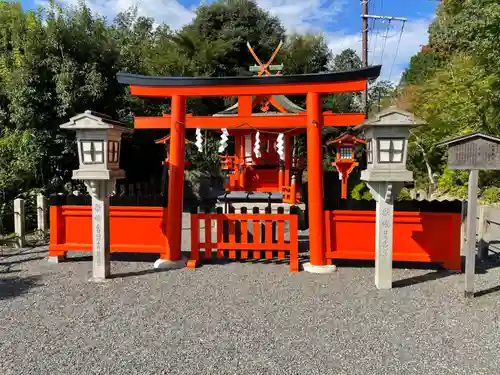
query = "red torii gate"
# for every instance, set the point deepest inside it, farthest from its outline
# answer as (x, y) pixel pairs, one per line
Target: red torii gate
(313, 85)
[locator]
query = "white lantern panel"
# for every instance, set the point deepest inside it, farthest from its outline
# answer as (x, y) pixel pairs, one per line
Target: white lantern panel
(385, 156)
(398, 145)
(397, 157)
(87, 158)
(385, 144)
(391, 150)
(92, 152)
(86, 146)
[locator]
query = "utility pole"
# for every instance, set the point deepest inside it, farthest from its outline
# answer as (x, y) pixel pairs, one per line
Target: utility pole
(364, 32)
(364, 57)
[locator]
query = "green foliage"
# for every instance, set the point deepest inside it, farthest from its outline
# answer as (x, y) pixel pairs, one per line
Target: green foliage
(453, 84)
(19, 160)
(348, 102)
(404, 195)
(471, 101)
(491, 195)
(208, 160)
(361, 191)
(453, 183)
(305, 54)
(422, 66)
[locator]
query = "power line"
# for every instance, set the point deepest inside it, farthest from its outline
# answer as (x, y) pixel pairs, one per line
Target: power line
(397, 49)
(365, 31)
(385, 41)
(374, 49)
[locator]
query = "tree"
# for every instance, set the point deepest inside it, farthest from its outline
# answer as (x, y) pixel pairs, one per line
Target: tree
(460, 98)
(421, 67)
(303, 54)
(19, 160)
(348, 102)
(348, 59)
(216, 38)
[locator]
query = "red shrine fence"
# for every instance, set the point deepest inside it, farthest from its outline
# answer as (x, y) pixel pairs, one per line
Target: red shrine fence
(241, 235)
(423, 231)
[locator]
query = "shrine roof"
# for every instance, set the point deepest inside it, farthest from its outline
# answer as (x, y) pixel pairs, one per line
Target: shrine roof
(166, 139)
(166, 81)
(269, 113)
(282, 100)
(346, 137)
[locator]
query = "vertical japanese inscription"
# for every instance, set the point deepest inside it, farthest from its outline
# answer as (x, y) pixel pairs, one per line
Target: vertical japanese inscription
(385, 226)
(97, 236)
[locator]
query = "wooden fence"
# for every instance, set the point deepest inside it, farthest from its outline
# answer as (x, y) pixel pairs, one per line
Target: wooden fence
(238, 235)
(16, 233)
(488, 231)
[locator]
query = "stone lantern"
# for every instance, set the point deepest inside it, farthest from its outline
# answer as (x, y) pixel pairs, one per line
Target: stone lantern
(387, 147)
(99, 143)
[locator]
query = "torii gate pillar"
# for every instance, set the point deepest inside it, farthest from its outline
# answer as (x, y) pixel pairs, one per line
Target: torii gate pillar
(172, 257)
(317, 248)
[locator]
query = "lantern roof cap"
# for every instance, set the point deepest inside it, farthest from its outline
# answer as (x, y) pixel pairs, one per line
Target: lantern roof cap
(346, 137)
(469, 137)
(392, 116)
(98, 121)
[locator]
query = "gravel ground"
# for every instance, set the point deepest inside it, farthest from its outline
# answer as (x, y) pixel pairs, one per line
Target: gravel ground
(240, 318)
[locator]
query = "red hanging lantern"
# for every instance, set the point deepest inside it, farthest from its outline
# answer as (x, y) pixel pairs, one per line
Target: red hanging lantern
(345, 159)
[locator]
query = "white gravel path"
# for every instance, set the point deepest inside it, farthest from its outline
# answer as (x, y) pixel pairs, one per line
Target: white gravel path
(240, 318)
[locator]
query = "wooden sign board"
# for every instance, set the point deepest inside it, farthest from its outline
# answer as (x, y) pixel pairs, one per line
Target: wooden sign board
(475, 151)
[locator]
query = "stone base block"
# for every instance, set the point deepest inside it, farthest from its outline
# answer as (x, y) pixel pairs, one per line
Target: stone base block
(98, 279)
(56, 259)
(329, 268)
(383, 284)
(169, 264)
(469, 294)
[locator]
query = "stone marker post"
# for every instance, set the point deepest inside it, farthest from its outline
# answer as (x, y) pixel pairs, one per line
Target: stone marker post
(41, 213)
(99, 140)
(19, 223)
(387, 148)
(384, 194)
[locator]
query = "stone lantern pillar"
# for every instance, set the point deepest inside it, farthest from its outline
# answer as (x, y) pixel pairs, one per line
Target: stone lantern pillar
(99, 142)
(387, 148)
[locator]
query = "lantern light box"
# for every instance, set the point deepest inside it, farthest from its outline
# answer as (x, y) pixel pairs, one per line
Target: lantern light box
(99, 143)
(387, 145)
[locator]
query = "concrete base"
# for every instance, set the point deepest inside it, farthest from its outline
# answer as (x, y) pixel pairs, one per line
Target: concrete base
(56, 259)
(98, 280)
(165, 264)
(469, 294)
(329, 268)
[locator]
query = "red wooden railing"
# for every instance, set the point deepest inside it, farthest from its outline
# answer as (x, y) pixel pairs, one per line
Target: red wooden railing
(418, 237)
(236, 237)
(132, 229)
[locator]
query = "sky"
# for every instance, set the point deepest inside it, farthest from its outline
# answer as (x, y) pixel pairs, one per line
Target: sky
(338, 20)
